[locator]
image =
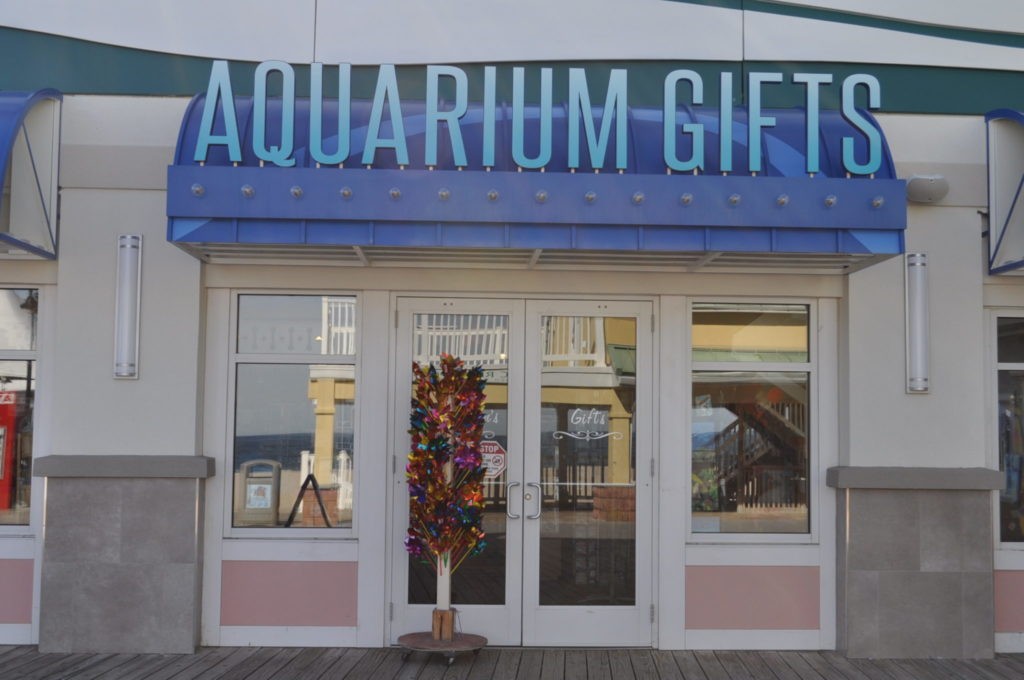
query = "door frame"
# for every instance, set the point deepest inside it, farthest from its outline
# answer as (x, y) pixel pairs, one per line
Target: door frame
(403, 306)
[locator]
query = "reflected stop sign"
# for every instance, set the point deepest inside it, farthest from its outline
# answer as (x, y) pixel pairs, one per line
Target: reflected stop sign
(494, 457)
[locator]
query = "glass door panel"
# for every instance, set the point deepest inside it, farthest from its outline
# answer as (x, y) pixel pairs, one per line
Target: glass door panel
(587, 566)
(486, 588)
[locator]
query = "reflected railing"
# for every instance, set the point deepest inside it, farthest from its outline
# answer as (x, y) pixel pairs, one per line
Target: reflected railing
(482, 339)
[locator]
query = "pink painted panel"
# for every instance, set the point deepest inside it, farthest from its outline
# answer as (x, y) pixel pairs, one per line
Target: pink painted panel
(752, 598)
(268, 593)
(15, 591)
(1008, 587)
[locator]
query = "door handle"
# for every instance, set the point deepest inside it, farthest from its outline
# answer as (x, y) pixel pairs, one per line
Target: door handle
(539, 500)
(508, 500)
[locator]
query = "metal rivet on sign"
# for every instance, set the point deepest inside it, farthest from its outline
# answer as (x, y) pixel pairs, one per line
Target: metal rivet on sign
(346, 193)
(541, 196)
(830, 200)
(492, 195)
(686, 199)
(734, 200)
(198, 190)
(248, 191)
(638, 198)
(782, 201)
(590, 197)
(877, 202)
(395, 193)
(444, 194)
(296, 192)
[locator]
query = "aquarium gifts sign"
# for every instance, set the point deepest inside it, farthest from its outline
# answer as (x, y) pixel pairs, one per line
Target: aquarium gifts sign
(682, 87)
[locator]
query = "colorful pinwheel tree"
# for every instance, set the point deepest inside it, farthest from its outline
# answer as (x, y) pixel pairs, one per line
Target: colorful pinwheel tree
(445, 473)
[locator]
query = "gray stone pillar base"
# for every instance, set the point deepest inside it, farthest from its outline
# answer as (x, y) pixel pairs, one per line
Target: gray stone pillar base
(915, 557)
(121, 565)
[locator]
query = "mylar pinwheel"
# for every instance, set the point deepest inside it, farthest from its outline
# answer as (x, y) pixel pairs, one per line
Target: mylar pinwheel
(445, 470)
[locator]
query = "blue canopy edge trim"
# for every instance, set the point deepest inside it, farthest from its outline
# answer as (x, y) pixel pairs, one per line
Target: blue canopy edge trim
(14, 107)
(782, 210)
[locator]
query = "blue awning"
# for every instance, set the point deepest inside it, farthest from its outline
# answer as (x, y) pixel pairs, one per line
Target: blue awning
(782, 217)
(1005, 132)
(29, 151)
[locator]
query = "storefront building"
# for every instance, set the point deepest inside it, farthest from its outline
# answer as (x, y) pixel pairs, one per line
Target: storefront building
(742, 278)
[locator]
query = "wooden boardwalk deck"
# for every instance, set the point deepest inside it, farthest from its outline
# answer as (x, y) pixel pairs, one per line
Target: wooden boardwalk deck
(284, 663)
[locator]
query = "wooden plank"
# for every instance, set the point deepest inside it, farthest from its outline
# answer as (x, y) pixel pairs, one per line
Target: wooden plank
(105, 663)
(47, 665)
(1013, 661)
(180, 666)
(143, 667)
(778, 665)
(599, 665)
(821, 666)
(755, 665)
(921, 669)
(343, 663)
(896, 671)
(710, 665)
(688, 665)
(552, 664)
(366, 666)
(12, 667)
(666, 666)
(619, 665)
(643, 663)
(299, 665)
(733, 666)
(855, 669)
(991, 669)
(966, 669)
(318, 666)
(508, 664)
(484, 664)
(530, 664)
(412, 665)
(239, 664)
(575, 667)
(799, 666)
(281, 660)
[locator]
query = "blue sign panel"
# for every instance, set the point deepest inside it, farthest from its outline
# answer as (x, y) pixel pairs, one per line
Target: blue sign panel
(577, 175)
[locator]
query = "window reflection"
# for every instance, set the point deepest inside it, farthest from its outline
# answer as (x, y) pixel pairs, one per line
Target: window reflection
(588, 461)
(750, 332)
(294, 445)
(296, 324)
(1011, 453)
(17, 397)
(750, 452)
(18, 311)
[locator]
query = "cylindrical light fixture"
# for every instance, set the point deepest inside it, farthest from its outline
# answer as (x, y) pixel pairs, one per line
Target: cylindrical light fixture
(127, 300)
(916, 305)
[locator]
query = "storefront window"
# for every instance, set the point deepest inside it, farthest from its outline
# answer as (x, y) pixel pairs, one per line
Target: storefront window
(18, 311)
(294, 436)
(1010, 355)
(750, 428)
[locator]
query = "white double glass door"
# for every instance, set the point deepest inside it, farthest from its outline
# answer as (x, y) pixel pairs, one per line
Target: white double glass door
(568, 447)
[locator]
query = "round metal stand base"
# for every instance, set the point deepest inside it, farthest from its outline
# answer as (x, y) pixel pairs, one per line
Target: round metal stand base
(425, 642)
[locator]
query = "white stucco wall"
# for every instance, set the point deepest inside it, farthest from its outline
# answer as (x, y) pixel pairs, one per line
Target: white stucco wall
(882, 424)
(122, 142)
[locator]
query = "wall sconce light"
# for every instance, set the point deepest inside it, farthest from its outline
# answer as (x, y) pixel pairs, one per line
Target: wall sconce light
(127, 300)
(916, 305)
